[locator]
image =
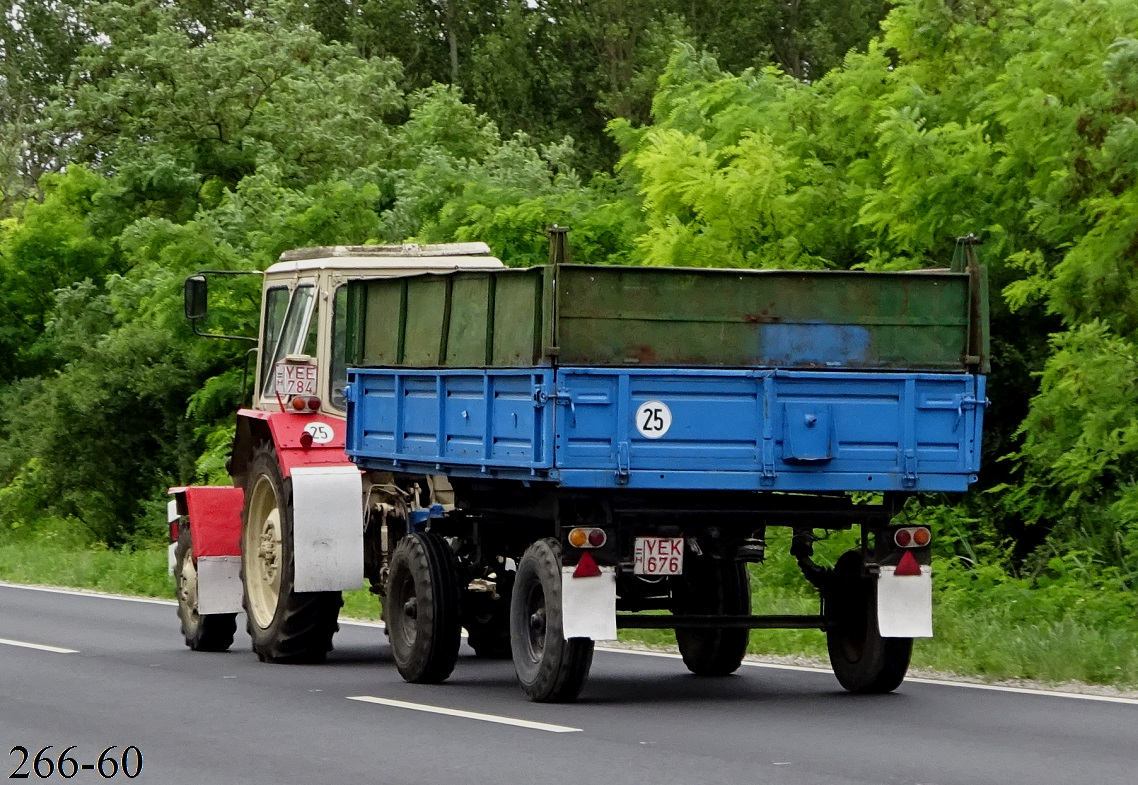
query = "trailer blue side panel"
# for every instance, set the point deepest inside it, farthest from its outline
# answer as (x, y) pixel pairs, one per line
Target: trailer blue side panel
(707, 429)
(435, 419)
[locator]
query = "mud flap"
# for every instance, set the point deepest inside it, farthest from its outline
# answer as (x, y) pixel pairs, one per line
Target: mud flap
(171, 517)
(213, 514)
(219, 584)
(905, 604)
(327, 528)
(588, 605)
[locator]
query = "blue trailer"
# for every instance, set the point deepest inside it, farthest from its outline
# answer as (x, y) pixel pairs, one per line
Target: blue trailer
(540, 472)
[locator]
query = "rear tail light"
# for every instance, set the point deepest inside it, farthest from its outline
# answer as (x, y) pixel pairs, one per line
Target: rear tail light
(305, 403)
(912, 537)
(585, 537)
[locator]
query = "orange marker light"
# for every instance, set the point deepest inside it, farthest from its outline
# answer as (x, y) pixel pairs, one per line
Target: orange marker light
(578, 538)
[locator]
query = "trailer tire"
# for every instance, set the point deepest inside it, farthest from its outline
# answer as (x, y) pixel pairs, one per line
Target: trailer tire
(712, 587)
(863, 661)
(423, 618)
(285, 626)
(202, 633)
(550, 668)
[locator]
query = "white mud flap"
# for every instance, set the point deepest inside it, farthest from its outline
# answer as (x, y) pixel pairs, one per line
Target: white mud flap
(588, 605)
(905, 604)
(327, 528)
(219, 584)
(171, 516)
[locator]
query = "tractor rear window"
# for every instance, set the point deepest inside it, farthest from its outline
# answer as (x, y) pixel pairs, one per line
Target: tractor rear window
(338, 362)
(287, 335)
(276, 304)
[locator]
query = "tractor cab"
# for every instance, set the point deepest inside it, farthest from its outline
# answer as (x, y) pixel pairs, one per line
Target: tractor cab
(301, 350)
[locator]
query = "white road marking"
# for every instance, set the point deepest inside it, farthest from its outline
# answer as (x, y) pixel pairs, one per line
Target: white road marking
(662, 654)
(1025, 690)
(470, 715)
(97, 594)
(378, 625)
(778, 666)
(38, 646)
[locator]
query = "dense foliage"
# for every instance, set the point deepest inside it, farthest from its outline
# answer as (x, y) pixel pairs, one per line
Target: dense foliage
(141, 141)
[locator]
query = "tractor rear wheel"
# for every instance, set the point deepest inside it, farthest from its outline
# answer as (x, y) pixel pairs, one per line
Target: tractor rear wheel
(213, 632)
(285, 626)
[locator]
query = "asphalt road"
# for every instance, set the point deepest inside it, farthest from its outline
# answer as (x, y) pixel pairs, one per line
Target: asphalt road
(226, 718)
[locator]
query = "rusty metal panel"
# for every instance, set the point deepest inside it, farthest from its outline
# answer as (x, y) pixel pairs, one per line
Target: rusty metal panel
(467, 337)
(382, 312)
(428, 304)
(650, 316)
(518, 318)
(788, 319)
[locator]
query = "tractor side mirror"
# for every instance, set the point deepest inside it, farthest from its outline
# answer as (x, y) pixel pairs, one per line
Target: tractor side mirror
(196, 297)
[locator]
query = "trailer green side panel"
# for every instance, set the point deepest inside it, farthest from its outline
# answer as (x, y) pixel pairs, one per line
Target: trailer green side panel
(621, 316)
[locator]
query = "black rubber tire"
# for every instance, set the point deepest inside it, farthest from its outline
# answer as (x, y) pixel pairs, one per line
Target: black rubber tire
(303, 623)
(424, 618)
(487, 623)
(863, 661)
(713, 586)
(550, 668)
(202, 633)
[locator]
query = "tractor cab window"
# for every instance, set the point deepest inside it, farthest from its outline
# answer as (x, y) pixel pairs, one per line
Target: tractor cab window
(287, 334)
(338, 362)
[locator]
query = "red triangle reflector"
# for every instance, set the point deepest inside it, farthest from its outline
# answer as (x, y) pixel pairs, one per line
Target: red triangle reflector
(908, 565)
(587, 567)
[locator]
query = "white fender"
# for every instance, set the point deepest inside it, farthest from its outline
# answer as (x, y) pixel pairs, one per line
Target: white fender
(327, 528)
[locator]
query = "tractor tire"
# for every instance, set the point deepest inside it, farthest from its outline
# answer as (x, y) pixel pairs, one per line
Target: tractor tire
(863, 661)
(286, 626)
(712, 587)
(423, 615)
(550, 668)
(202, 633)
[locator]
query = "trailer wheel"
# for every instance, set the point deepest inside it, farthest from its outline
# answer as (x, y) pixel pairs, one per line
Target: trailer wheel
(487, 622)
(423, 618)
(863, 661)
(285, 626)
(550, 668)
(713, 587)
(202, 633)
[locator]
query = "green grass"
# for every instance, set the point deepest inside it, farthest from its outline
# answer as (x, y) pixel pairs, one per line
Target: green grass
(987, 625)
(141, 572)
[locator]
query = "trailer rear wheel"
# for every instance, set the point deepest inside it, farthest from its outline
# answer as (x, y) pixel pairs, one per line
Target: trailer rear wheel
(213, 632)
(423, 621)
(863, 661)
(713, 587)
(550, 668)
(285, 626)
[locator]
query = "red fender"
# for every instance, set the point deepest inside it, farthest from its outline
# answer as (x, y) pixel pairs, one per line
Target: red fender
(287, 430)
(213, 513)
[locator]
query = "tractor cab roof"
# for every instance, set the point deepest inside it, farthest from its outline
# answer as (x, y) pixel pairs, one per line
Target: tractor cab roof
(391, 259)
